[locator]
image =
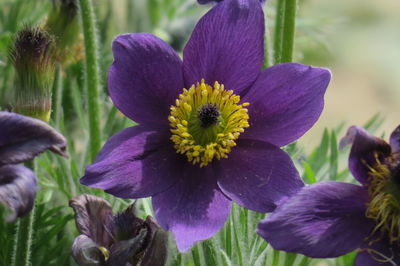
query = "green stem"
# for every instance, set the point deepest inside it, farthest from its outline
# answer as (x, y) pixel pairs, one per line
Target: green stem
(92, 75)
(289, 28)
(58, 94)
(278, 36)
(24, 236)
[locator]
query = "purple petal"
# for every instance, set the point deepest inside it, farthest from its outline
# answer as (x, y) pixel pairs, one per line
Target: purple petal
(202, 2)
(145, 78)
(258, 175)
(135, 163)
(227, 45)
(87, 253)
(93, 217)
(285, 101)
(22, 138)
(364, 151)
(124, 251)
(395, 140)
(193, 209)
(17, 190)
(156, 252)
(379, 253)
(323, 220)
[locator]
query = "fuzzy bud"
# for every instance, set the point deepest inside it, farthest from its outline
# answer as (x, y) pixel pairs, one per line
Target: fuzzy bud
(63, 23)
(32, 56)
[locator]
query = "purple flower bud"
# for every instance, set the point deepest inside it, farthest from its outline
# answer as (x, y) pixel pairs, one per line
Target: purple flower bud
(63, 23)
(108, 239)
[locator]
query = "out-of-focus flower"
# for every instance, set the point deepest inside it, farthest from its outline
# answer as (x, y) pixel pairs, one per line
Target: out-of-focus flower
(330, 219)
(21, 139)
(33, 57)
(121, 239)
(63, 23)
(202, 2)
(179, 152)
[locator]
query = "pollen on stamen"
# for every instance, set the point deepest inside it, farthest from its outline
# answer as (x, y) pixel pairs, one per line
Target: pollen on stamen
(206, 121)
(383, 206)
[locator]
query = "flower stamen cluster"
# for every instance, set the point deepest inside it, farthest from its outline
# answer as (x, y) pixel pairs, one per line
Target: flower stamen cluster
(205, 122)
(384, 200)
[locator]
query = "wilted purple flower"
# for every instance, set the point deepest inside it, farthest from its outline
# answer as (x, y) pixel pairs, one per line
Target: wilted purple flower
(121, 239)
(330, 219)
(21, 139)
(178, 153)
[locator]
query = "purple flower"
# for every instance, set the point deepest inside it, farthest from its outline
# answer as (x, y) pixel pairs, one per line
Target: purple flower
(202, 2)
(121, 239)
(21, 139)
(199, 148)
(330, 219)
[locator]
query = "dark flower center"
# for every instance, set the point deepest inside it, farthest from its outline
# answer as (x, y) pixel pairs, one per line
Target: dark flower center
(208, 115)
(206, 121)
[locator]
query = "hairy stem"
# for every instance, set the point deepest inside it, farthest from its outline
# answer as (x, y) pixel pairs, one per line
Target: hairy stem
(24, 236)
(92, 75)
(289, 27)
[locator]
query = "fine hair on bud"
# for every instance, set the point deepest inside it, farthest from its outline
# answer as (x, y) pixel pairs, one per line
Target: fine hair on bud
(32, 55)
(63, 24)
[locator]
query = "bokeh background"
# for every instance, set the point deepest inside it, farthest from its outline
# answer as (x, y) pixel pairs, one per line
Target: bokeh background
(358, 40)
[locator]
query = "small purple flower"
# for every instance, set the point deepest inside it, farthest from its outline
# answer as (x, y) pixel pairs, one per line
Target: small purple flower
(21, 139)
(121, 239)
(199, 148)
(330, 219)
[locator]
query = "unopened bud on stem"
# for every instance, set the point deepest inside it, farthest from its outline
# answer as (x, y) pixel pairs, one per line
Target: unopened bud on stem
(33, 57)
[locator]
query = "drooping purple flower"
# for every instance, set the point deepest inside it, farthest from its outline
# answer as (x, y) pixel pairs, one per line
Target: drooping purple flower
(199, 148)
(21, 139)
(330, 219)
(121, 239)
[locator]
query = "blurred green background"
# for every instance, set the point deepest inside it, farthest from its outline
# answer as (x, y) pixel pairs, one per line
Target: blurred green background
(358, 40)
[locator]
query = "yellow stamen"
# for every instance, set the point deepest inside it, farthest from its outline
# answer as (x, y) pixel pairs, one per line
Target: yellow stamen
(201, 144)
(384, 206)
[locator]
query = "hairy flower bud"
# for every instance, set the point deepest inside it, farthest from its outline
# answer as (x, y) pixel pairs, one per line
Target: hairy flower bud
(63, 24)
(32, 56)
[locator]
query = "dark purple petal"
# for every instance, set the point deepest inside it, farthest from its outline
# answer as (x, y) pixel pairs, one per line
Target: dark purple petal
(87, 253)
(202, 2)
(285, 101)
(145, 78)
(22, 138)
(364, 151)
(135, 163)
(258, 175)
(395, 140)
(379, 253)
(126, 225)
(17, 190)
(123, 251)
(227, 45)
(93, 216)
(156, 251)
(194, 208)
(323, 220)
